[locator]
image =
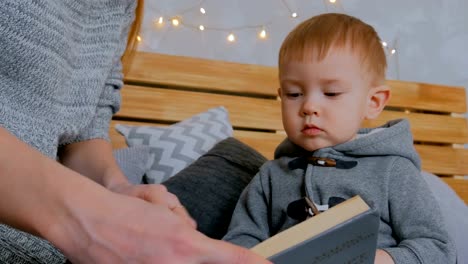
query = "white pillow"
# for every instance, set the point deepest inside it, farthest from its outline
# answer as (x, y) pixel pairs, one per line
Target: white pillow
(175, 147)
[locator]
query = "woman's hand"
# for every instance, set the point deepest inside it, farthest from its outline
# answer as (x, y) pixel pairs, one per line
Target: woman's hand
(155, 194)
(124, 223)
(115, 228)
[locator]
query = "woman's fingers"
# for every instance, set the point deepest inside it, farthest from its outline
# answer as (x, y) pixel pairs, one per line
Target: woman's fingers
(217, 251)
(182, 212)
(158, 194)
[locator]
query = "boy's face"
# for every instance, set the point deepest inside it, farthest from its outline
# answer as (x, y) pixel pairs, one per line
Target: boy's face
(324, 102)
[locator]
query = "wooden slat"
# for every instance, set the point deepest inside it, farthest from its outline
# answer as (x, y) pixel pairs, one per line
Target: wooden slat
(195, 73)
(174, 105)
(422, 96)
(443, 160)
(428, 127)
(265, 143)
(160, 69)
(435, 159)
(117, 140)
(460, 187)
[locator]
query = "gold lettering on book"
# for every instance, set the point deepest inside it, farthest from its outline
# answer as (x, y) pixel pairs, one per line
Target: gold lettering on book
(345, 245)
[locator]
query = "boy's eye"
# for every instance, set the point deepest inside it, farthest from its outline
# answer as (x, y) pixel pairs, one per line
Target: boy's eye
(332, 94)
(293, 95)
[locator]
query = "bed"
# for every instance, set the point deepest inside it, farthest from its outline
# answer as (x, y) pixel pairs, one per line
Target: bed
(164, 89)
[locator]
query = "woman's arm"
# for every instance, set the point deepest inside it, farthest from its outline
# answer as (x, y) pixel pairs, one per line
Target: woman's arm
(28, 181)
(94, 159)
(93, 225)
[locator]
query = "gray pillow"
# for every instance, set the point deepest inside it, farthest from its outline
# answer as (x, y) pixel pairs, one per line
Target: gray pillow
(133, 162)
(174, 147)
(455, 213)
(210, 187)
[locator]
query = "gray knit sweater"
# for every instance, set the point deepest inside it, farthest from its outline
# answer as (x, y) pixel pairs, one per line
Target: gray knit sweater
(60, 76)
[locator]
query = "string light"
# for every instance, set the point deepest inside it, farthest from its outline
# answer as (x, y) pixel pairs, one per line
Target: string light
(335, 5)
(390, 49)
(231, 37)
(262, 34)
(293, 14)
(138, 38)
(392, 55)
(175, 22)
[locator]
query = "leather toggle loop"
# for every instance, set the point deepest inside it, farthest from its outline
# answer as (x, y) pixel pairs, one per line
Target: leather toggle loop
(301, 163)
(324, 162)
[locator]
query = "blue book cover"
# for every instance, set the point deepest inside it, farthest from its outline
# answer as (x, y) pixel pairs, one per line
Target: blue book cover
(346, 233)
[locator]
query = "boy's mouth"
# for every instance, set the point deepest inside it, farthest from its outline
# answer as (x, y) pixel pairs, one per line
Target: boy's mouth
(311, 130)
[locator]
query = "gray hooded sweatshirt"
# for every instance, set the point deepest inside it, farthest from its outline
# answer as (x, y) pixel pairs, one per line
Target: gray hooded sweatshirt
(381, 165)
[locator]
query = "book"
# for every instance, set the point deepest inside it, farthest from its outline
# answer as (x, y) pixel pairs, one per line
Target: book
(345, 233)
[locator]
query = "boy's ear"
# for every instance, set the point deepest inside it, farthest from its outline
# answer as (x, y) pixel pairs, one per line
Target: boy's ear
(377, 100)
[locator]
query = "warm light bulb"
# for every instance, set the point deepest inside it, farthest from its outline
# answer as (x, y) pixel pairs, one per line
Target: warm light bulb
(201, 27)
(294, 14)
(160, 20)
(202, 10)
(231, 38)
(138, 38)
(175, 22)
(384, 44)
(332, 1)
(393, 51)
(262, 34)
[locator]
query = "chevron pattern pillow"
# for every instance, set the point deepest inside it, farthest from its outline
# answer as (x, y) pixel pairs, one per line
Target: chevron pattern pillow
(175, 147)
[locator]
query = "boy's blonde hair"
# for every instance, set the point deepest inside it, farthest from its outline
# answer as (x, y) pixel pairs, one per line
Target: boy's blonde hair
(313, 38)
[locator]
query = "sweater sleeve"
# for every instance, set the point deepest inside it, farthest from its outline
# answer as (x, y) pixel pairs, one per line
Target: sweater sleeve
(109, 104)
(109, 100)
(249, 222)
(416, 219)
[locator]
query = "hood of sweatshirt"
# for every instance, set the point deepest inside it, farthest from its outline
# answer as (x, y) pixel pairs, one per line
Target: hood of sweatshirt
(391, 139)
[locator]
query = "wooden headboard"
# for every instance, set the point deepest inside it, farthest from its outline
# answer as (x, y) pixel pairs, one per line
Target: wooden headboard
(164, 89)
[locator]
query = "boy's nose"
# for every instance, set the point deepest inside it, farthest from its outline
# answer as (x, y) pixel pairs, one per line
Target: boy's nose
(309, 108)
